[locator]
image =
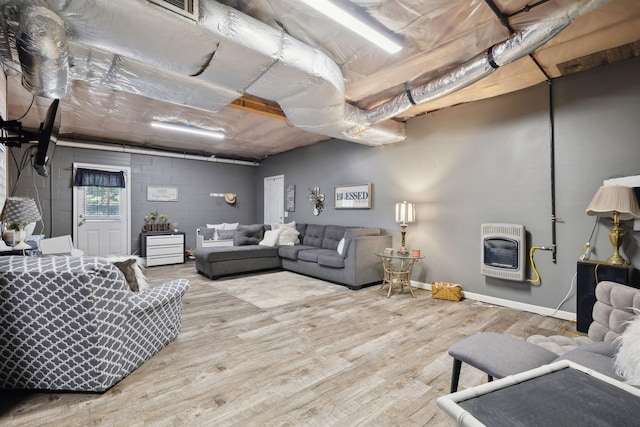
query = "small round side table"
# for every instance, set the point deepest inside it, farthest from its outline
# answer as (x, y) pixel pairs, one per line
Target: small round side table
(397, 270)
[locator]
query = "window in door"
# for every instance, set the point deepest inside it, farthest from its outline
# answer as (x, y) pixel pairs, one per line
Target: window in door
(101, 203)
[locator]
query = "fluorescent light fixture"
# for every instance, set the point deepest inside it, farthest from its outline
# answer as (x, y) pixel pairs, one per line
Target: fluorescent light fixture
(354, 24)
(188, 129)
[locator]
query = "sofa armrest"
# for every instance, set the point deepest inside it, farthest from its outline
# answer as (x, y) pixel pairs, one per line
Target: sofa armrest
(361, 258)
(159, 295)
(199, 239)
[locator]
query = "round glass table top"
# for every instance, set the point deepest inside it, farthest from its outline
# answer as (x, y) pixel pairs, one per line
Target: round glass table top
(396, 255)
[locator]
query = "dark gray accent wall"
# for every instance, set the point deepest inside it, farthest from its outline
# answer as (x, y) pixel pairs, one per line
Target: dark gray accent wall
(485, 162)
(194, 179)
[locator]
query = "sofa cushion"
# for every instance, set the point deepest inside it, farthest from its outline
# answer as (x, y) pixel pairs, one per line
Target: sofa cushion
(231, 253)
(248, 234)
(311, 255)
(595, 361)
(605, 348)
(331, 259)
(314, 235)
(332, 236)
(291, 252)
(559, 344)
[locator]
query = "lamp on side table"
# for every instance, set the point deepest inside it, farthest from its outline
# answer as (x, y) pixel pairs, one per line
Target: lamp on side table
(20, 211)
(405, 213)
(620, 203)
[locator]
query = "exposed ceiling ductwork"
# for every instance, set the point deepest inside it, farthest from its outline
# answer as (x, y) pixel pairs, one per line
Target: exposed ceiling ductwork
(209, 63)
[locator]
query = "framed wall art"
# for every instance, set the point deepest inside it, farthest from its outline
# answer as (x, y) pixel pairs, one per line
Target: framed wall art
(162, 194)
(356, 196)
(290, 199)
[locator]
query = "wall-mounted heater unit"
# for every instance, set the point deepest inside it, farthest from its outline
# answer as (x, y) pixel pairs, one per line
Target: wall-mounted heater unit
(503, 251)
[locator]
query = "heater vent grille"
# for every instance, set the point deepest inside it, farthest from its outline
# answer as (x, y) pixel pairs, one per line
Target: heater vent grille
(188, 8)
(502, 251)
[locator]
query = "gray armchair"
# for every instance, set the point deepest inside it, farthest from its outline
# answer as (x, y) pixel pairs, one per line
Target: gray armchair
(72, 323)
(500, 355)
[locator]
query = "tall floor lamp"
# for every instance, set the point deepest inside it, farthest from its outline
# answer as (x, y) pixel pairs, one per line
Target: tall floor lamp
(21, 211)
(620, 203)
(405, 213)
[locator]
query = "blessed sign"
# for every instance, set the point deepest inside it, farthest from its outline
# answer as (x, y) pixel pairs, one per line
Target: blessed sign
(352, 196)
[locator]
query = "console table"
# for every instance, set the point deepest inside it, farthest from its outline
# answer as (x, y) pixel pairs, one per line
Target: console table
(163, 248)
(397, 270)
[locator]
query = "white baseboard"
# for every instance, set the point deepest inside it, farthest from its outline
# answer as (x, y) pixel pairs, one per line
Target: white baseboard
(545, 311)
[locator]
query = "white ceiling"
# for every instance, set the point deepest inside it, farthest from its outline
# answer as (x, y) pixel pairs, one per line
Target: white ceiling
(438, 36)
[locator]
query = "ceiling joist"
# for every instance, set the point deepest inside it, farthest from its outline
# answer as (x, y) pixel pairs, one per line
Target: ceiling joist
(258, 106)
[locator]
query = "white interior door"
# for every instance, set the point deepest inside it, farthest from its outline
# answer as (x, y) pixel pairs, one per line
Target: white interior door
(274, 199)
(101, 216)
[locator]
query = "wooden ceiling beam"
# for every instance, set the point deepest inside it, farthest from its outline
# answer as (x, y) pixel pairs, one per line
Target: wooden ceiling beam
(258, 106)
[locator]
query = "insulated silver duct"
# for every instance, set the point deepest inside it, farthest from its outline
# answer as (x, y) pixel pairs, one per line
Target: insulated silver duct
(140, 48)
(41, 46)
(518, 45)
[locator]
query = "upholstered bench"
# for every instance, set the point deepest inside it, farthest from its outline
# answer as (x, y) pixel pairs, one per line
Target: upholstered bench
(497, 355)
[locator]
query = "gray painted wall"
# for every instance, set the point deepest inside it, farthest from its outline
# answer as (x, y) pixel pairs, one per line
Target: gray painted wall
(194, 179)
(486, 162)
(481, 162)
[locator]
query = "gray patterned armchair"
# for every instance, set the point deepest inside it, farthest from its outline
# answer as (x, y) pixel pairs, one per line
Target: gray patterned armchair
(72, 323)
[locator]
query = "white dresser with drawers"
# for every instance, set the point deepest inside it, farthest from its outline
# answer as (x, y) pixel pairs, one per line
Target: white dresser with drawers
(163, 248)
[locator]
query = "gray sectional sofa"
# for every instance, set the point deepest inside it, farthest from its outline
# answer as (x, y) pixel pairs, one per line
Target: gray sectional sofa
(344, 255)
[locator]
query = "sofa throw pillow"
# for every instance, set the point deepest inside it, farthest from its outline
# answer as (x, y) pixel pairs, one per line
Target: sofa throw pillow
(270, 238)
(207, 233)
(627, 359)
(132, 268)
(288, 236)
(215, 227)
(230, 226)
(291, 224)
(248, 234)
(226, 234)
(340, 247)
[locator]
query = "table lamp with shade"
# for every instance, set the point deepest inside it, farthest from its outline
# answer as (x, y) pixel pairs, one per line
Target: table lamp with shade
(405, 213)
(621, 204)
(20, 211)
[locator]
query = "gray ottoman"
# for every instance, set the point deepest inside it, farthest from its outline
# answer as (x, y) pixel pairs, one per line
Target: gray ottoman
(498, 355)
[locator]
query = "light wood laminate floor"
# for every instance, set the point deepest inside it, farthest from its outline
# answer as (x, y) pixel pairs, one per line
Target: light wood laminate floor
(338, 358)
